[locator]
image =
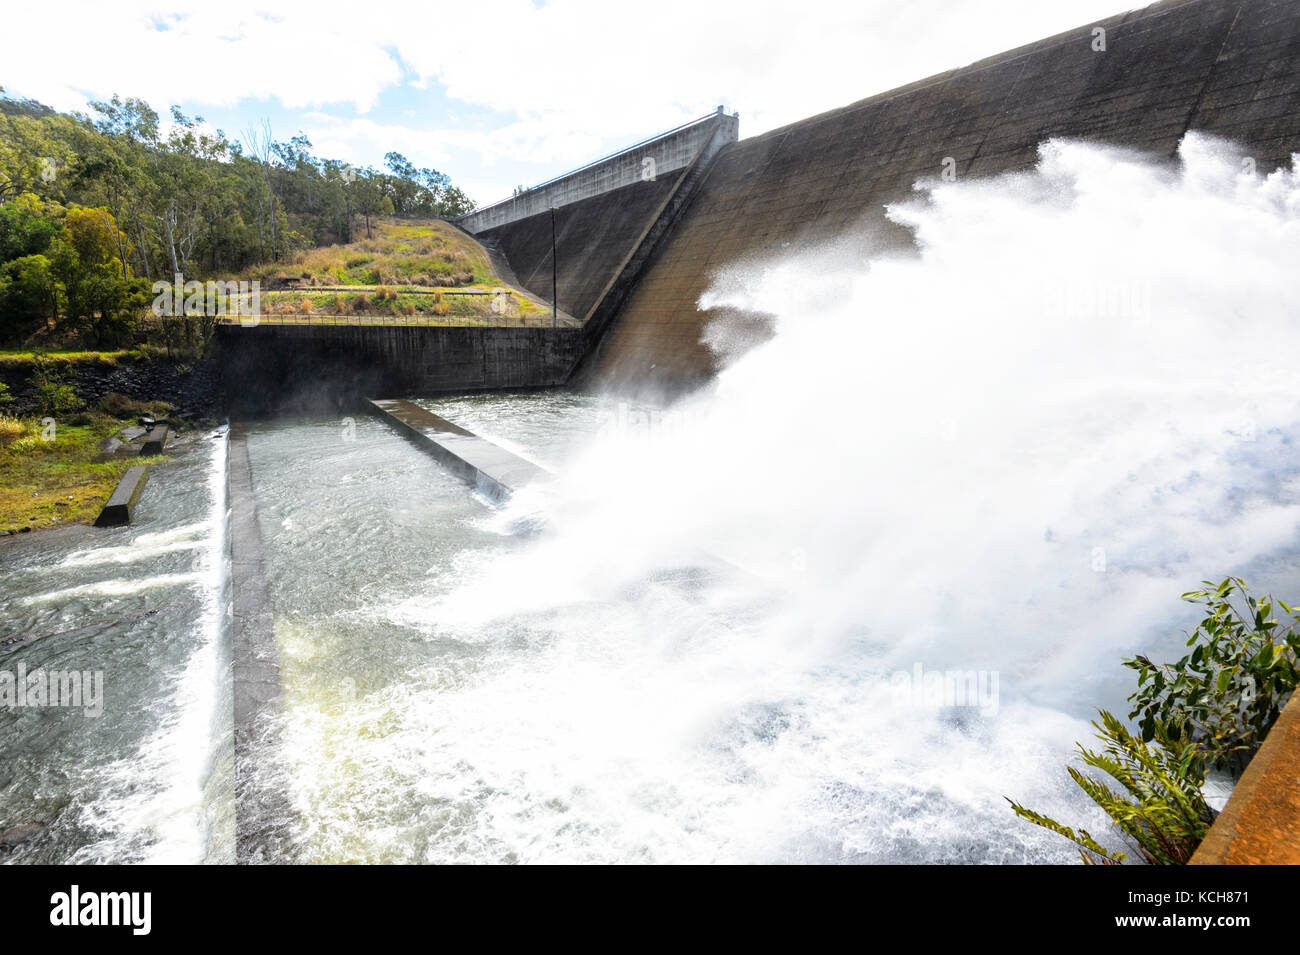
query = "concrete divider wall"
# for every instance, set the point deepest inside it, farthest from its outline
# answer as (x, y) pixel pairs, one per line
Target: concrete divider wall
(270, 369)
(592, 236)
(672, 151)
(1225, 66)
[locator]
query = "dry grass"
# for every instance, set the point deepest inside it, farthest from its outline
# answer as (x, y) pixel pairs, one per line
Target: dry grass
(424, 253)
(11, 430)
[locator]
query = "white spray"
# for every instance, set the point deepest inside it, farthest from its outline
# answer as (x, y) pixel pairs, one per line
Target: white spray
(1000, 456)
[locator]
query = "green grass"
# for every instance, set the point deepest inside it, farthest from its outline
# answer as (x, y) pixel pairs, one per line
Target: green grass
(64, 481)
(398, 304)
(69, 359)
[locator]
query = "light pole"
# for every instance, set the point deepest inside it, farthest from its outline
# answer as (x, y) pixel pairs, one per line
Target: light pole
(555, 271)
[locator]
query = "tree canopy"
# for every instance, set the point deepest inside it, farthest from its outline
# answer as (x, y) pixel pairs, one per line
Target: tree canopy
(92, 206)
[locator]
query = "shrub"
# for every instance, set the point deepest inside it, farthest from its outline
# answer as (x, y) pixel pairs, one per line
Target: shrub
(5, 397)
(1213, 707)
(1164, 814)
(55, 394)
(120, 406)
(1229, 690)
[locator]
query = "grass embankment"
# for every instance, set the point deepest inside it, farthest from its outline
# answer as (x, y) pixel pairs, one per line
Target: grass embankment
(411, 270)
(51, 476)
(69, 359)
(426, 253)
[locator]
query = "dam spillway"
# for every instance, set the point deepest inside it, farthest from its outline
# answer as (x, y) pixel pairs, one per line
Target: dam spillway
(396, 627)
(1229, 68)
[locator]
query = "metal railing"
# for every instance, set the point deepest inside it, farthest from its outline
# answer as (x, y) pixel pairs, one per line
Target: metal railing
(541, 320)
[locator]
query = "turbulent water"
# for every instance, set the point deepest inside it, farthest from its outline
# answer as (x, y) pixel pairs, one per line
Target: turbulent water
(149, 778)
(713, 637)
(1005, 454)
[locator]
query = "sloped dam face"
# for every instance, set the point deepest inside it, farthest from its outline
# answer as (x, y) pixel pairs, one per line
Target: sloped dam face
(834, 606)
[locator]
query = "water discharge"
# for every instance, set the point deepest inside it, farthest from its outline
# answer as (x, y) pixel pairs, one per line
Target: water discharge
(1000, 454)
(1004, 453)
(150, 779)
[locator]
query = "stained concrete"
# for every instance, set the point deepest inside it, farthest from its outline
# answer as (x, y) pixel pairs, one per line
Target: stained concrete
(666, 153)
(262, 809)
(121, 504)
(285, 369)
(492, 469)
(592, 237)
(155, 441)
(1260, 825)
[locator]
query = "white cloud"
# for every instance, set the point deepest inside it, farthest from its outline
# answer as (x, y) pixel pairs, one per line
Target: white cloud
(556, 85)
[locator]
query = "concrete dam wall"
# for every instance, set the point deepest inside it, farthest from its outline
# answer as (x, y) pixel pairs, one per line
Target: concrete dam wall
(644, 162)
(1230, 67)
(603, 214)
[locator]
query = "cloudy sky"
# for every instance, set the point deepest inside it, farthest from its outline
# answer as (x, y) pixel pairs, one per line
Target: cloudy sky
(499, 93)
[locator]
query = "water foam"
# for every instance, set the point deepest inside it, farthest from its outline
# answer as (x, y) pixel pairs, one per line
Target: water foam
(156, 804)
(1006, 451)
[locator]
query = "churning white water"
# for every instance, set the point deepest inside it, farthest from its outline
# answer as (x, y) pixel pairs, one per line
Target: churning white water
(1005, 452)
(150, 777)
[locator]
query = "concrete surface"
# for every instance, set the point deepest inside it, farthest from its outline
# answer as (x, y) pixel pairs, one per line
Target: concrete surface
(669, 152)
(1260, 825)
(286, 369)
(121, 504)
(262, 811)
(592, 237)
(155, 441)
(492, 469)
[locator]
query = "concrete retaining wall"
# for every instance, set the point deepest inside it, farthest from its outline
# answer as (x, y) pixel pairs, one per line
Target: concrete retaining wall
(276, 369)
(670, 152)
(592, 237)
(1226, 66)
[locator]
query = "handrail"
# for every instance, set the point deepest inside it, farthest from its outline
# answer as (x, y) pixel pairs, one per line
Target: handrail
(539, 320)
(594, 162)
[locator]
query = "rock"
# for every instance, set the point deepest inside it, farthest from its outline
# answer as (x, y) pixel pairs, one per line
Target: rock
(109, 445)
(20, 834)
(131, 432)
(147, 421)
